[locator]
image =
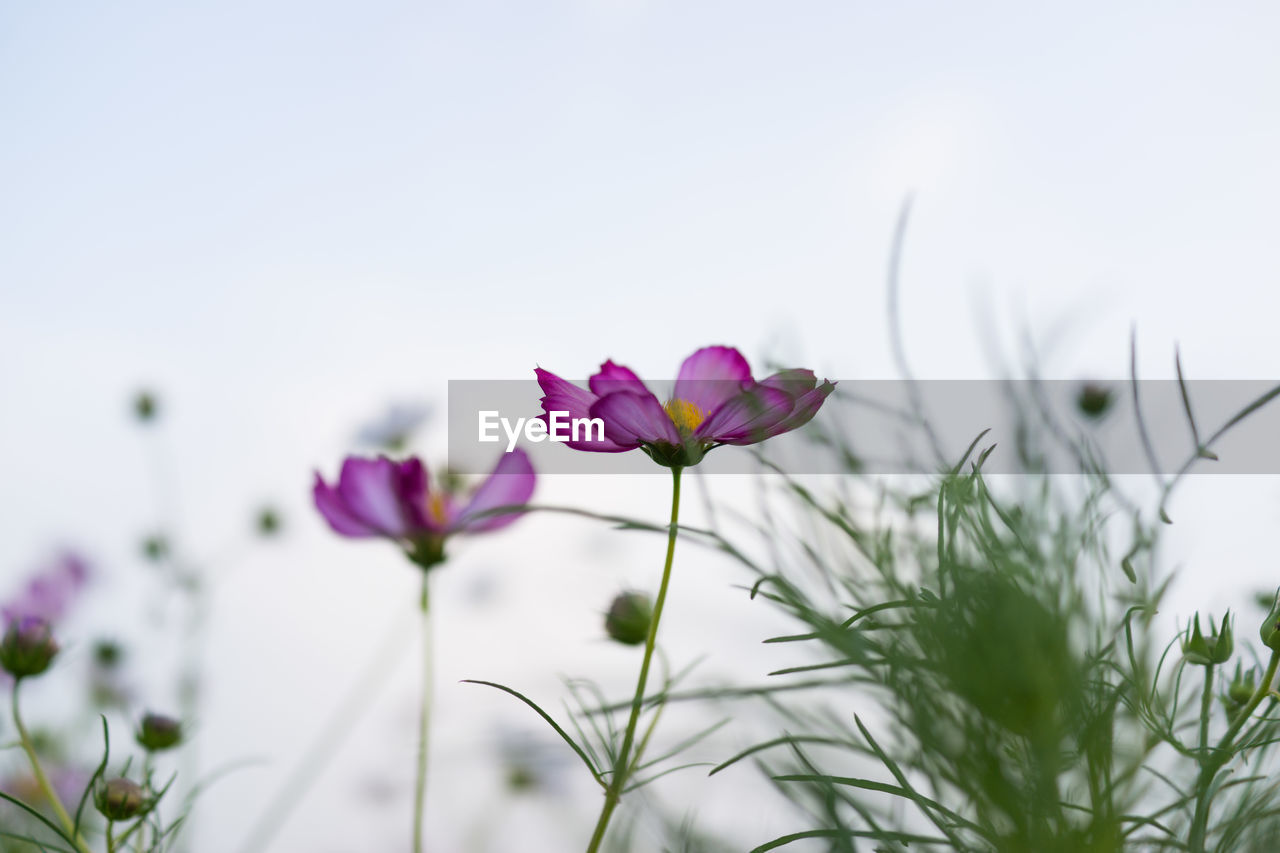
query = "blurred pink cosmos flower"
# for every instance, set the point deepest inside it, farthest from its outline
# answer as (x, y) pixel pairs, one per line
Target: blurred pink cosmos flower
(394, 500)
(395, 427)
(51, 591)
(715, 401)
(68, 783)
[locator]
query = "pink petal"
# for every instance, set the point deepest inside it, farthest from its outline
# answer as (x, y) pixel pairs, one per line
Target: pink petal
(370, 488)
(510, 484)
(413, 496)
(562, 396)
(806, 406)
(631, 420)
(795, 382)
(747, 418)
(334, 510)
(614, 377)
(712, 376)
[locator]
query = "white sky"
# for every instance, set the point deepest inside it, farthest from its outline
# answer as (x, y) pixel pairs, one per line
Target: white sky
(284, 214)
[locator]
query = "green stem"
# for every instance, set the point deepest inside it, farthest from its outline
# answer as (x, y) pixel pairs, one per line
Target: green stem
(1206, 708)
(137, 825)
(111, 841)
(191, 689)
(424, 718)
(41, 779)
(147, 769)
(622, 766)
(644, 741)
(1211, 762)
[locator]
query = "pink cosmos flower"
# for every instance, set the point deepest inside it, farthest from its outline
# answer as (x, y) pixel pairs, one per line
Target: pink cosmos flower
(394, 500)
(67, 780)
(50, 592)
(715, 402)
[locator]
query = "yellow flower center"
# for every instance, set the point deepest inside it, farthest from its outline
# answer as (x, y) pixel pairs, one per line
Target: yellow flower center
(435, 508)
(685, 415)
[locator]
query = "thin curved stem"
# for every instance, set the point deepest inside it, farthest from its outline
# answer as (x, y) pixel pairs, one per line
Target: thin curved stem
(424, 718)
(41, 779)
(622, 766)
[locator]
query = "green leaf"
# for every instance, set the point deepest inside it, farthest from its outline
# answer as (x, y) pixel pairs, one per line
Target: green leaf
(97, 774)
(595, 774)
(35, 814)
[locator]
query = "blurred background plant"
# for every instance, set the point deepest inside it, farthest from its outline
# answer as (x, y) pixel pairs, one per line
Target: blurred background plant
(134, 645)
(980, 666)
(977, 663)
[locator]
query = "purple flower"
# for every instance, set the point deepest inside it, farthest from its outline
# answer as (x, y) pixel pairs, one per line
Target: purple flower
(49, 594)
(68, 783)
(715, 401)
(394, 500)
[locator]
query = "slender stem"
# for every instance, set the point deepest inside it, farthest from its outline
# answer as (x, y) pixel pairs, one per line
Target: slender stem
(191, 678)
(1206, 708)
(622, 766)
(1211, 763)
(644, 741)
(41, 779)
(111, 839)
(140, 844)
(424, 717)
(1264, 688)
(137, 825)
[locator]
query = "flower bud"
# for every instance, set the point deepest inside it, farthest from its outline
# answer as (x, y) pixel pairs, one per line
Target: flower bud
(1215, 648)
(157, 732)
(120, 799)
(1240, 692)
(1242, 687)
(520, 778)
(107, 654)
(268, 522)
(145, 406)
(1093, 399)
(28, 647)
(1270, 630)
(628, 618)
(155, 548)
(1224, 643)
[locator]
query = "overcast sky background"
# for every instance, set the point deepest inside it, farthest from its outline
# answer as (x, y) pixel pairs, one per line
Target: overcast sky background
(284, 215)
